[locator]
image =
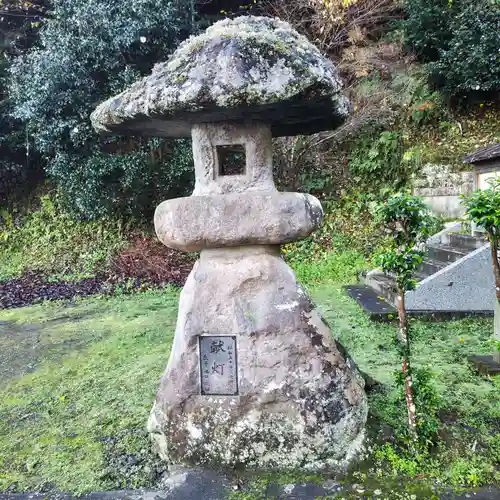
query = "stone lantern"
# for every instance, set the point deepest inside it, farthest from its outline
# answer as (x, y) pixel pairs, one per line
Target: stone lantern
(255, 376)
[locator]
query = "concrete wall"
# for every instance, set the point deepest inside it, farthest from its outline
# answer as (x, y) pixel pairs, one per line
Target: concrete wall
(466, 285)
(441, 188)
(446, 206)
(483, 177)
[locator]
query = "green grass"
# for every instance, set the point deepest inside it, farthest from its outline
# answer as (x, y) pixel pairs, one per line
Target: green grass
(54, 422)
(75, 420)
(469, 403)
(332, 267)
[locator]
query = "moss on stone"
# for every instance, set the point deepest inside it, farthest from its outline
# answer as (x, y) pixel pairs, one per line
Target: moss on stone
(247, 61)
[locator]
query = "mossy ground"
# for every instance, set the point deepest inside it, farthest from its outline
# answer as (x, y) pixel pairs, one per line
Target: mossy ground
(95, 367)
(78, 380)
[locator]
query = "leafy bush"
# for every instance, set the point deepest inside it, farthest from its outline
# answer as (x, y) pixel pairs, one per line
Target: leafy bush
(471, 62)
(469, 471)
(380, 163)
(460, 39)
(483, 208)
(407, 220)
(347, 225)
(427, 403)
(428, 26)
(88, 51)
(19, 170)
(102, 185)
(427, 107)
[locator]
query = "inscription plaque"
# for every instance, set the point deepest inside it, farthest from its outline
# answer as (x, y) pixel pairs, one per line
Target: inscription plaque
(218, 365)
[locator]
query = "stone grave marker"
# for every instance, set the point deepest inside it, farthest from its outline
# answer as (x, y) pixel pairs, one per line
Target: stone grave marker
(255, 376)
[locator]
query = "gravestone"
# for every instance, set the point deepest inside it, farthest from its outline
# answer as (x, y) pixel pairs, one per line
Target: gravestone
(255, 376)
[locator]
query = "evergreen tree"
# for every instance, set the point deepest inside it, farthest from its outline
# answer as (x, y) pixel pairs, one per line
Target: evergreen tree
(89, 50)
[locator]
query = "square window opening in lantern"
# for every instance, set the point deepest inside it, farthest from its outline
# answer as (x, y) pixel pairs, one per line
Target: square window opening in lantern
(232, 159)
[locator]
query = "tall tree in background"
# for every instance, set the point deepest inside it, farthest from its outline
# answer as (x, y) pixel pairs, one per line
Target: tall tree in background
(19, 170)
(89, 50)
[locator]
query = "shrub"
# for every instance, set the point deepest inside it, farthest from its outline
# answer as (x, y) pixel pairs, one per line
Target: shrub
(19, 170)
(123, 184)
(380, 163)
(428, 27)
(483, 208)
(460, 39)
(471, 61)
(407, 219)
(338, 250)
(88, 51)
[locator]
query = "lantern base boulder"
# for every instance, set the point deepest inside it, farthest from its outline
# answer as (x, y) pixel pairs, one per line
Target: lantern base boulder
(299, 400)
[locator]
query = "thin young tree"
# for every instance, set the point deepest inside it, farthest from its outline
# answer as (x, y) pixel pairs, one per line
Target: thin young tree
(483, 208)
(409, 222)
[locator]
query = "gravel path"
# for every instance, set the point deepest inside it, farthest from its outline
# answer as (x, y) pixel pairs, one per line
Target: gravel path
(200, 484)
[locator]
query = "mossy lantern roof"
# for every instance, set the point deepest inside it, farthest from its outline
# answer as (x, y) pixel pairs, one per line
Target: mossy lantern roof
(239, 70)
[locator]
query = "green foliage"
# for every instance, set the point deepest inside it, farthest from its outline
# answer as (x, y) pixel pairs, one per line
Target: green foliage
(18, 171)
(88, 51)
(460, 38)
(403, 265)
(428, 26)
(347, 223)
(427, 403)
(7, 225)
(468, 471)
(471, 62)
(465, 403)
(339, 267)
(483, 208)
(447, 142)
(379, 163)
(409, 222)
(50, 240)
(427, 108)
(126, 184)
(400, 463)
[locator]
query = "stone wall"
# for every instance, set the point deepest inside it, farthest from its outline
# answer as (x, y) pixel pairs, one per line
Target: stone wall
(441, 188)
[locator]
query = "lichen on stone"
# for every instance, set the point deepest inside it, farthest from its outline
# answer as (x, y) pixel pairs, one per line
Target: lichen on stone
(236, 64)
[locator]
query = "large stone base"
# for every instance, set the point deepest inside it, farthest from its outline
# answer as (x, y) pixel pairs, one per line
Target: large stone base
(301, 400)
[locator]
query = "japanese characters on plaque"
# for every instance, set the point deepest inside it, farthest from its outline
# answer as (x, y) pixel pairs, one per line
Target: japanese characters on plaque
(218, 365)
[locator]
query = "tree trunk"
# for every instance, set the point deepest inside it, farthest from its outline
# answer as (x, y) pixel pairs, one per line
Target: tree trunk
(404, 341)
(496, 353)
(496, 271)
